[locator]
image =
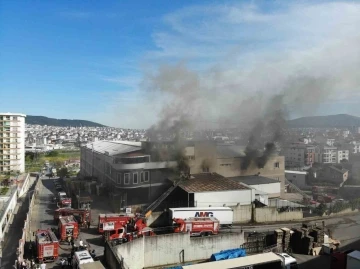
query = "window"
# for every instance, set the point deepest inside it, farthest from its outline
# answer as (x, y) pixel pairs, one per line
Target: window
(277, 164)
(206, 170)
(126, 178)
(118, 178)
(135, 178)
(142, 177)
(146, 176)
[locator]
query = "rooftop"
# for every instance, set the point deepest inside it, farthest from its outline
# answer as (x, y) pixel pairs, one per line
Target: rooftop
(208, 182)
(114, 147)
(254, 180)
(12, 114)
(338, 170)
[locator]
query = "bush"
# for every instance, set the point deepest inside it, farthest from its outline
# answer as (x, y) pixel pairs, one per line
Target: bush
(320, 210)
(53, 153)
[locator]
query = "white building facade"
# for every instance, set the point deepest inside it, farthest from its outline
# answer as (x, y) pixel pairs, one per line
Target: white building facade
(343, 154)
(329, 155)
(12, 142)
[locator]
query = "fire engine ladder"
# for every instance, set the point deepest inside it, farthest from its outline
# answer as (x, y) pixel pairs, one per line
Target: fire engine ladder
(158, 201)
(296, 188)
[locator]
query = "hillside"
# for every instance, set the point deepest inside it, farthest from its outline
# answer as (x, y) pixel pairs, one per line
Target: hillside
(40, 120)
(331, 121)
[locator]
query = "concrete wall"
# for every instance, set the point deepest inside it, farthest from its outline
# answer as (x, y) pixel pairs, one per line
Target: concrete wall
(224, 198)
(25, 186)
(271, 214)
(7, 213)
(242, 213)
(167, 249)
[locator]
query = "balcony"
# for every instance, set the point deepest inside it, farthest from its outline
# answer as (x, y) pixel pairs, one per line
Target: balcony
(5, 120)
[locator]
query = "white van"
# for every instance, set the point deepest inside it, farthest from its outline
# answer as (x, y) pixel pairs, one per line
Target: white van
(81, 257)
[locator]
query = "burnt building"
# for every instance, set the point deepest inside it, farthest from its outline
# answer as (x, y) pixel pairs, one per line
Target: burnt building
(132, 172)
(137, 173)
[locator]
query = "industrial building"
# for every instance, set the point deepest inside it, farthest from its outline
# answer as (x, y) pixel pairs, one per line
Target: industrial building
(266, 185)
(12, 142)
(137, 173)
(209, 190)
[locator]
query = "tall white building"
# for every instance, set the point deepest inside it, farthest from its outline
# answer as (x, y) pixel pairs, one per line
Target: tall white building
(12, 142)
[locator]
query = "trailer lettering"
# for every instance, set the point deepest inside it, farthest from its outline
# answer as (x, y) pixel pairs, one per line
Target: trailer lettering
(204, 214)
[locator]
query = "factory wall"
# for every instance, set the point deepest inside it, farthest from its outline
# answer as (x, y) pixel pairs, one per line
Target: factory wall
(224, 198)
(242, 213)
(298, 178)
(174, 248)
(272, 189)
(271, 214)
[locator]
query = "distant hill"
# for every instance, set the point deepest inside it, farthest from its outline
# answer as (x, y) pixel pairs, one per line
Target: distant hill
(331, 121)
(40, 120)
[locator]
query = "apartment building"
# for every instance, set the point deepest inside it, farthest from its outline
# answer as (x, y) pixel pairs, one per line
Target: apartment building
(12, 142)
(342, 154)
(329, 155)
(298, 155)
(355, 145)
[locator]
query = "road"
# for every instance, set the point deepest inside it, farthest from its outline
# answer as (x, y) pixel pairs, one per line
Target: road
(42, 218)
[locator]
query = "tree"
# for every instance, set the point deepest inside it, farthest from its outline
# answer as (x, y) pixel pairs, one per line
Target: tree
(63, 172)
(29, 156)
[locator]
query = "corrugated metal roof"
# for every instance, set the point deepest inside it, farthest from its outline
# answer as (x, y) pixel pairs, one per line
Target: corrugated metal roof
(207, 182)
(254, 180)
(114, 147)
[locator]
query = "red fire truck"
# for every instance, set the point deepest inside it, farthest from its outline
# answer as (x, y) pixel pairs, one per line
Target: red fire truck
(68, 228)
(83, 216)
(197, 226)
(63, 200)
(47, 246)
(109, 222)
(135, 228)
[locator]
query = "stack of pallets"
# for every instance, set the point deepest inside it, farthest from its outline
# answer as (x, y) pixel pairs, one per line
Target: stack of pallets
(307, 245)
(286, 238)
(295, 240)
(278, 237)
(255, 243)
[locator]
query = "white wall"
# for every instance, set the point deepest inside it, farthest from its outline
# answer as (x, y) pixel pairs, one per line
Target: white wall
(6, 214)
(224, 198)
(166, 249)
(273, 189)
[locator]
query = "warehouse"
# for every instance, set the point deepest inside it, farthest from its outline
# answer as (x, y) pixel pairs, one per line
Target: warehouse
(262, 184)
(210, 189)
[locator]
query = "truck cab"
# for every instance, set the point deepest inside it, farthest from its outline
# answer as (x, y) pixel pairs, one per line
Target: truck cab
(289, 262)
(81, 257)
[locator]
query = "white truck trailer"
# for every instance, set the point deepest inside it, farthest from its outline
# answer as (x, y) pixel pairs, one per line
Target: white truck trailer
(353, 260)
(258, 261)
(225, 215)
